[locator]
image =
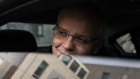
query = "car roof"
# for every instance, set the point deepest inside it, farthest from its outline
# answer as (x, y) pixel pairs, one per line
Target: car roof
(34, 10)
(117, 12)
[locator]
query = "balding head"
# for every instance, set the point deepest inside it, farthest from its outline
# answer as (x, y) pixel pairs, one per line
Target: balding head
(84, 12)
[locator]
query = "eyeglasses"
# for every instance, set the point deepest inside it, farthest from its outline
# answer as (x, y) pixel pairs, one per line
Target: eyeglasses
(62, 34)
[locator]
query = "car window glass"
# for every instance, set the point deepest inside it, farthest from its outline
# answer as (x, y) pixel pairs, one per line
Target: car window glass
(42, 32)
(126, 44)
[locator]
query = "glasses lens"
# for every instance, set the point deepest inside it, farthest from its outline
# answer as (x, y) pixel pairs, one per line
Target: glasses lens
(61, 34)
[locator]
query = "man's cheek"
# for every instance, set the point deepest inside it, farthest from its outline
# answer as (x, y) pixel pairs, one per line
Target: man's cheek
(80, 50)
(54, 50)
(57, 42)
(83, 50)
(55, 45)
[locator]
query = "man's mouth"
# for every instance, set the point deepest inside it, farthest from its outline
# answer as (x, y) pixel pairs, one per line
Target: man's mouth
(61, 50)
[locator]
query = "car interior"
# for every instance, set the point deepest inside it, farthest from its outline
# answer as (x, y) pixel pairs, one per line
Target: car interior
(121, 22)
(121, 17)
(19, 41)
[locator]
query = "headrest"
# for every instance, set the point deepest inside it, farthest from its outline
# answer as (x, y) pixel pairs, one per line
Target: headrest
(17, 40)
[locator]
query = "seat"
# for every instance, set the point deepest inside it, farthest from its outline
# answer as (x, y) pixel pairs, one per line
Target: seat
(17, 40)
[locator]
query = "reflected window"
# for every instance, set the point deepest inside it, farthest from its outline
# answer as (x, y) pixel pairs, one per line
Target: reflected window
(40, 30)
(40, 70)
(124, 77)
(105, 75)
(66, 59)
(126, 44)
(36, 30)
(74, 66)
(82, 73)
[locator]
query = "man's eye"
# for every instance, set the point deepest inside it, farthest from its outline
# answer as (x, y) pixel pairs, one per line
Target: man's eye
(63, 33)
(82, 40)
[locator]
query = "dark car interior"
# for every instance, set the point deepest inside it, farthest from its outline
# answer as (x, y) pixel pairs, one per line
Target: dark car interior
(19, 41)
(121, 17)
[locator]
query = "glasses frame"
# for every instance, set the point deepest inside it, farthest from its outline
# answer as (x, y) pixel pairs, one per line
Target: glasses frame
(74, 37)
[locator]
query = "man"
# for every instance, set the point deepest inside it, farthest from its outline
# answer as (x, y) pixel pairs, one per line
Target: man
(78, 31)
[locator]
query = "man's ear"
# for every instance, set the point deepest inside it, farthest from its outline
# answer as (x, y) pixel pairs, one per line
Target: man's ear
(99, 44)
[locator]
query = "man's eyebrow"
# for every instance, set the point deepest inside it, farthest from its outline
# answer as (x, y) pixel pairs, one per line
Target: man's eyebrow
(83, 36)
(62, 28)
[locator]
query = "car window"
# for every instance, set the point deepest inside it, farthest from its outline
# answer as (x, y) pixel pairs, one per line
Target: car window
(126, 44)
(42, 32)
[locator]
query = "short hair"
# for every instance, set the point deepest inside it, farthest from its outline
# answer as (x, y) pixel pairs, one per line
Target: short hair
(90, 9)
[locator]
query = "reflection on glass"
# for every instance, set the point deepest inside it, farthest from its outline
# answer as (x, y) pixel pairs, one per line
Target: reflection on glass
(1, 61)
(40, 69)
(126, 43)
(124, 77)
(66, 59)
(40, 30)
(82, 73)
(74, 66)
(105, 75)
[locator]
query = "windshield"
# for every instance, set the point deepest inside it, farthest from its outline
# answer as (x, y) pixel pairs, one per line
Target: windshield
(42, 32)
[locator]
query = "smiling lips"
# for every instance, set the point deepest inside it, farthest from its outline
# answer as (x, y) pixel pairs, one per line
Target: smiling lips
(62, 50)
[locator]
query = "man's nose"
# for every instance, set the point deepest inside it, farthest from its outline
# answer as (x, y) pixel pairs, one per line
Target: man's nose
(68, 44)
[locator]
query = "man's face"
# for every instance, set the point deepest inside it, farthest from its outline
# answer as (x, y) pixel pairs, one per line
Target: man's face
(73, 36)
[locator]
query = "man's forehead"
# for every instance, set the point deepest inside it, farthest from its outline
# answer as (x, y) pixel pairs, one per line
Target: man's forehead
(81, 14)
(79, 24)
(77, 14)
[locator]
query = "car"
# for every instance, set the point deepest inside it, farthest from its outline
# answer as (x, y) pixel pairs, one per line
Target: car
(37, 18)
